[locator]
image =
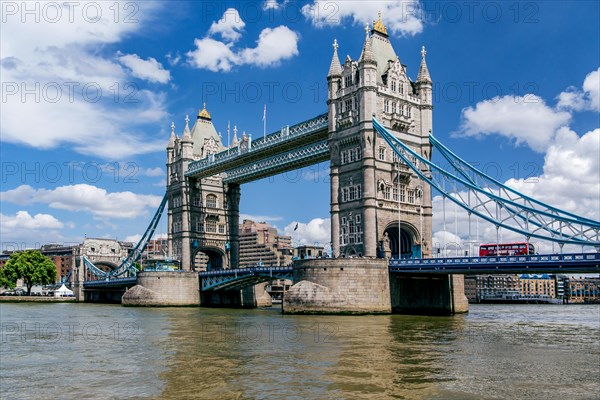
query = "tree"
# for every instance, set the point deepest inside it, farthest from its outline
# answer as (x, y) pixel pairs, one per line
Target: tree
(31, 266)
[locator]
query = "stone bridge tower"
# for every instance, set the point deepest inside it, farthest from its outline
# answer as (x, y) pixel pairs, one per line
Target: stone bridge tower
(197, 208)
(378, 206)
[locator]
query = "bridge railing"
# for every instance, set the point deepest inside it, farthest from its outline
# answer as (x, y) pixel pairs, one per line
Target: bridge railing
(537, 258)
(294, 131)
(245, 271)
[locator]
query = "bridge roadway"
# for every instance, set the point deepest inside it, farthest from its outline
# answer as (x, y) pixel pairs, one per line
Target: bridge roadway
(533, 264)
(290, 148)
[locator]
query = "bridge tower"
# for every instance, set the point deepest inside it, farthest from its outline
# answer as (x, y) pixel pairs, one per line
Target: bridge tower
(197, 208)
(378, 206)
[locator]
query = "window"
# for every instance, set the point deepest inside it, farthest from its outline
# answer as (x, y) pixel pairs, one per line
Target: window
(382, 153)
(395, 193)
(401, 86)
(221, 228)
(343, 220)
(348, 81)
(351, 155)
(199, 226)
(358, 191)
(348, 104)
(355, 103)
(358, 219)
(358, 153)
(344, 157)
(196, 201)
(386, 106)
(393, 85)
(211, 201)
(393, 106)
(344, 194)
(411, 196)
(211, 225)
(408, 111)
(386, 193)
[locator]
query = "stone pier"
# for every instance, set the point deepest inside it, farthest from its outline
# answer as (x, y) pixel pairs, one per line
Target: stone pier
(164, 289)
(339, 286)
(432, 294)
(247, 297)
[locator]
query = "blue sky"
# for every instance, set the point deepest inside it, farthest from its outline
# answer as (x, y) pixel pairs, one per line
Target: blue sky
(89, 93)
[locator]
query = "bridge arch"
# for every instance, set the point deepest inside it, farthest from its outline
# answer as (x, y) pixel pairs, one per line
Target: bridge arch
(208, 258)
(403, 244)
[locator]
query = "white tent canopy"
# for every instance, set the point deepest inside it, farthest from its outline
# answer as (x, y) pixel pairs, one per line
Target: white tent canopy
(63, 291)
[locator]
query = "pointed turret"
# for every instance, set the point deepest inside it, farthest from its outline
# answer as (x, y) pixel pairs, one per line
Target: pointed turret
(235, 142)
(335, 69)
(187, 136)
(423, 71)
(171, 144)
(367, 52)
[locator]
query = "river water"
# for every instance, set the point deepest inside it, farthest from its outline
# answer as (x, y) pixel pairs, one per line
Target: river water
(91, 351)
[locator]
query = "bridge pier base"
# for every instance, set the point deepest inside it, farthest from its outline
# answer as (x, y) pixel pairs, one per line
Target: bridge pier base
(432, 294)
(339, 286)
(164, 289)
(247, 297)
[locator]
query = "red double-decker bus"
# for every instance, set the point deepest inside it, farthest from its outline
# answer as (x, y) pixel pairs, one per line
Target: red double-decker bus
(506, 249)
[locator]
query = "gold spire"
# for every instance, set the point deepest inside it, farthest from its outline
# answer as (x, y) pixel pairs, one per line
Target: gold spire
(203, 113)
(379, 27)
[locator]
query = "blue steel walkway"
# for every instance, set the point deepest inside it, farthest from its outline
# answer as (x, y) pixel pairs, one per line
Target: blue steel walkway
(547, 263)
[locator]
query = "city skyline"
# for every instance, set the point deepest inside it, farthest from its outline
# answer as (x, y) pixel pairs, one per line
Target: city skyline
(81, 165)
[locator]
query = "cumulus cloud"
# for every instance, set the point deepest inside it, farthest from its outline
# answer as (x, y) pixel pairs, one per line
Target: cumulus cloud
(402, 17)
(526, 120)
(271, 4)
(76, 96)
(315, 232)
(150, 69)
(582, 100)
(569, 180)
(273, 46)
(229, 26)
(87, 198)
(26, 230)
(158, 171)
(26, 221)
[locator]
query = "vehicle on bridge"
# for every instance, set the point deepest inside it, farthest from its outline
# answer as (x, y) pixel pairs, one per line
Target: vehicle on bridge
(506, 249)
(165, 264)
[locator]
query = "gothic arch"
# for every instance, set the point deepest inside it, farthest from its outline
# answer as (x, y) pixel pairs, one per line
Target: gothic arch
(207, 258)
(403, 245)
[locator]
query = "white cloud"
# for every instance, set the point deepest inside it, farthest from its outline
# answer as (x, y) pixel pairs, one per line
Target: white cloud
(273, 46)
(229, 26)
(316, 232)
(24, 220)
(212, 55)
(173, 59)
(271, 4)
(150, 69)
(78, 96)
(87, 198)
(527, 120)
(26, 230)
(158, 171)
(588, 99)
(402, 17)
(569, 180)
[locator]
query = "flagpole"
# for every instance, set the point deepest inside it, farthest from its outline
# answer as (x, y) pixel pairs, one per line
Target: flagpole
(265, 122)
(228, 129)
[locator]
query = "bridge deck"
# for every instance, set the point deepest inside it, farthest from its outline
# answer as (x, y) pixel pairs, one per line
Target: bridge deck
(263, 158)
(548, 263)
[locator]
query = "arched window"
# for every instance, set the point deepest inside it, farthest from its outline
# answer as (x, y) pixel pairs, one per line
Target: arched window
(211, 201)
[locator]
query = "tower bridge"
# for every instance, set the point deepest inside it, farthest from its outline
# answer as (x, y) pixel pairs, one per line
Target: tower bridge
(376, 135)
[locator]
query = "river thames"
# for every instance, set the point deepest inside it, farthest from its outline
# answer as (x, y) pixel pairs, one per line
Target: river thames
(75, 351)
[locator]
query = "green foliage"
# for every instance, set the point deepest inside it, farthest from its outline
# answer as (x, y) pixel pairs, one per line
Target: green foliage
(30, 265)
